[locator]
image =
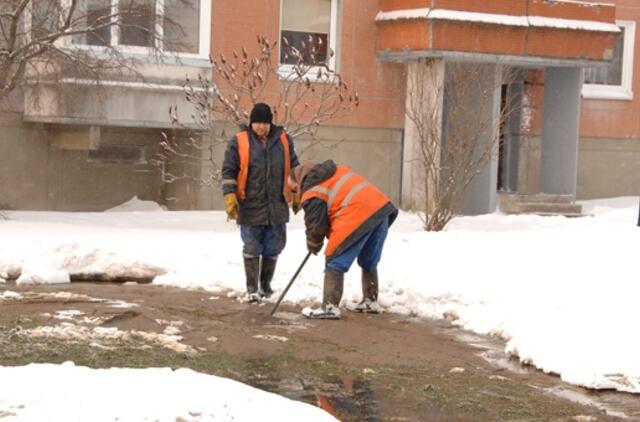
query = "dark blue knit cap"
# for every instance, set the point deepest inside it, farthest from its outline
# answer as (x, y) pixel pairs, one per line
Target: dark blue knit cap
(261, 113)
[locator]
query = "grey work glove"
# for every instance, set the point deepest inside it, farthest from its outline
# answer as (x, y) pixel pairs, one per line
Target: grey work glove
(314, 247)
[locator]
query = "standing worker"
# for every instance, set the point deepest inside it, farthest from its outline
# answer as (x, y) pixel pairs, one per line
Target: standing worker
(355, 216)
(257, 164)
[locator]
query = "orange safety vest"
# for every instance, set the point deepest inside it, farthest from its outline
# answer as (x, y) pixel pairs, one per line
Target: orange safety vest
(351, 201)
(243, 174)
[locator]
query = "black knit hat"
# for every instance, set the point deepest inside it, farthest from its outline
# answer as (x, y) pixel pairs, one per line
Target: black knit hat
(261, 113)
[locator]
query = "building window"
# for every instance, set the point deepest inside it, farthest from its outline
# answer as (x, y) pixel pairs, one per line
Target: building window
(138, 22)
(177, 26)
(43, 18)
(118, 154)
(181, 25)
(614, 82)
(308, 25)
(94, 14)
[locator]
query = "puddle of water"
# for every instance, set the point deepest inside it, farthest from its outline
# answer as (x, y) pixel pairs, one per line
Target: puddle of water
(613, 403)
(585, 398)
(347, 398)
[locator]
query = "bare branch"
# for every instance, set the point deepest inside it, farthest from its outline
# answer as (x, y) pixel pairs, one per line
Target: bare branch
(452, 149)
(38, 40)
(304, 94)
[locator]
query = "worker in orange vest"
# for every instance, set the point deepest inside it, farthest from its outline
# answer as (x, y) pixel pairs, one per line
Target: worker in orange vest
(354, 216)
(257, 164)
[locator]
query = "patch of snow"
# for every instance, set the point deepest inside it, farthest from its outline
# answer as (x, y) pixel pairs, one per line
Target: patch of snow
(136, 204)
(497, 19)
(404, 14)
(121, 304)
(172, 327)
(461, 16)
(573, 24)
(68, 314)
(40, 392)
(10, 295)
(42, 275)
(73, 333)
(270, 337)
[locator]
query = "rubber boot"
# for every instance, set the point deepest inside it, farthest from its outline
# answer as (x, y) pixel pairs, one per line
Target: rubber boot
(370, 285)
(268, 267)
(252, 272)
(333, 287)
(369, 303)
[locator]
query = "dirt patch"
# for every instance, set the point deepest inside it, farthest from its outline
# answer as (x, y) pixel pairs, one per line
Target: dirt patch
(361, 368)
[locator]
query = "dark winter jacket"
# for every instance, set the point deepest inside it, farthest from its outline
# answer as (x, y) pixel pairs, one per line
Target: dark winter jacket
(316, 213)
(264, 203)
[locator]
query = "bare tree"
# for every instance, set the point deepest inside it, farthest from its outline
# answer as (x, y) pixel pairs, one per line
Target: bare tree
(46, 40)
(304, 95)
(457, 141)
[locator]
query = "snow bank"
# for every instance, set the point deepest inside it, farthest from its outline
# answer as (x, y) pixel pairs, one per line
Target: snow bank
(40, 392)
(42, 275)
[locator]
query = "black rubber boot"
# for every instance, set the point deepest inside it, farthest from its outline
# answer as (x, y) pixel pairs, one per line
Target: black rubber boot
(266, 275)
(333, 286)
(370, 285)
(369, 303)
(252, 272)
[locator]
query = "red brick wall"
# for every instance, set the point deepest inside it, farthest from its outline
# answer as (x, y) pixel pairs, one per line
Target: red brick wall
(380, 85)
(611, 119)
(617, 119)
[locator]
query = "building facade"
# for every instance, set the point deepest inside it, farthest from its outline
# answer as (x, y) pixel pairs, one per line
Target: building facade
(609, 148)
(68, 151)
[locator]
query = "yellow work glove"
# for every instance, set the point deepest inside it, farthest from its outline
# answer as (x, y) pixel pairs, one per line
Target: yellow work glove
(231, 206)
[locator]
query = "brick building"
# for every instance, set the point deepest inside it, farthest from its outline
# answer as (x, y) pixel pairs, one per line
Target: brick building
(582, 141)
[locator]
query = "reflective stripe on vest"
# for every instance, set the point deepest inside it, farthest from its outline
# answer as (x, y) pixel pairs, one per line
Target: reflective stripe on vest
(244, 156)
(351, 200)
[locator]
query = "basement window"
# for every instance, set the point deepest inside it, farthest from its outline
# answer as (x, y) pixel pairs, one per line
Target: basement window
(119, 154)
(614, 82)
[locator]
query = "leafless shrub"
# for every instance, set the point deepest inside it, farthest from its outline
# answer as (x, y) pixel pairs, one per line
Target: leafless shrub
(452, 140)
(304, 95)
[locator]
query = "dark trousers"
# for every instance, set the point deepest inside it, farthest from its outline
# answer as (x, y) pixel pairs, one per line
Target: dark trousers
(267, 241)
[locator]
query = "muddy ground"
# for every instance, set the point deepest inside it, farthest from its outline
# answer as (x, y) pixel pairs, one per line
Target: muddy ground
(361, 368)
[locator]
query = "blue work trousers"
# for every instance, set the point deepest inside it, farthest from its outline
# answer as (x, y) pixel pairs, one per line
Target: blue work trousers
(368, 249)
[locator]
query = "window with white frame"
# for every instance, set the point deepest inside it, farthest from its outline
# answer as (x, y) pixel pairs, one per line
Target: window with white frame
(615, 81)
(304, 20)
(177, 26)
